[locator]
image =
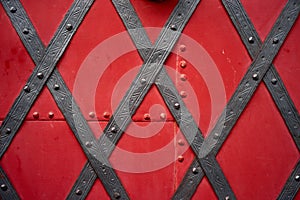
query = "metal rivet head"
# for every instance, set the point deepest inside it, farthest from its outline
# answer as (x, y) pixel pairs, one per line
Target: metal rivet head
(78, 192)
(195, 170)
(182, 48)
(255, 77)
(88, 144)
(113, 129)
(40, 75)
(182, 64)
(92, 115)
(50, 115)
(8, 131)
(183, 94)
(180, 158)
(251, 40)
(35, 115)
(173, 27)
(297, 178)
(106, 115)
(143, 81)
(117, 195)
(25, 31)
(56, 87)
(274, 81)
(181, 142)
(176, 106)
(183, 77)
(162, 116)
(227, 198)
(147, 116)
(13, 9)
(3, 187)
(26, 88)
(69, 27)
(275, 40)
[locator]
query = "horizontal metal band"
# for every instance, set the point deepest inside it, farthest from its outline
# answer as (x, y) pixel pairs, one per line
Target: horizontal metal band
(7, 191)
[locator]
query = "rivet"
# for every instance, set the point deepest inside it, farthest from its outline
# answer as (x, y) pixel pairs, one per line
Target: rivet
(56, 87)
(275, 40)
(274, 81)
(183, 77)
(69, 27)
(173, 27)
(13, 9)
(297, 178)
(227, 198)
(251, 40)
(183, 94)
(25, 31)
(8, 131)
(40, 75)
(106, 115)
(35, 115)
(3, 187)
(177, 106)
(50, 115)
(147, 116)
(182, 48)
(143, 81)
(162, 116)
(113, 129)
(181, 142)
(78, 192)
(26, 88)
(182, 64)
(180, 158)
(92, 114)
(255, 77)
(117, 195)
(88, 144)
(195, 170)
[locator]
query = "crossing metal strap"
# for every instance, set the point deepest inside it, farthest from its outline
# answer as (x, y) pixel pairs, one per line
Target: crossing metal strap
(63, 98)
(249, 83)
(7, 191)
(162, 48)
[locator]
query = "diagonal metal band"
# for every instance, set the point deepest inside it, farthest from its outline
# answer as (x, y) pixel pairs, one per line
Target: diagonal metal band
(63, 97)
(6, 189)
(164, 45)
(245, 89)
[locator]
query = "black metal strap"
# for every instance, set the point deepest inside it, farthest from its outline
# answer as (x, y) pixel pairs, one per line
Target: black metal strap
(247, 86)
(63, 96)
(6, 189)
(159, 53)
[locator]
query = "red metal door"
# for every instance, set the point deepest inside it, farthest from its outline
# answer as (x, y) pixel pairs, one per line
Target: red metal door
(149, 99)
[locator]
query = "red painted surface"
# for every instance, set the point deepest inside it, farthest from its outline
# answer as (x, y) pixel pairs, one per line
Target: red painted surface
(45, 159)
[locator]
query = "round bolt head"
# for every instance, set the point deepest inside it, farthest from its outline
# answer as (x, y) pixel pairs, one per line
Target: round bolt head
(297, 178)
(182, 64)
(113, 129)
(180, 158)
(92, 115)
(162, 116)
(251, 40)
(8, 131)
(173, 27)
(143, 81)
(147, 116)
(227, 198)
(117, 195)
(50, 115)
(35, 115)
(183, 77)
(69, 27)
(106, 115)
(275, 40)
(88, 144)
(183, 94)
(25, 31)
(3, 187)
(255, 77)
(26, 88)
(78, 192)
(40, 75)
(177, 106)
(13, 9)
(181, 142)
(182, 48)
(195, 170)
(274, 81)
(56, 87)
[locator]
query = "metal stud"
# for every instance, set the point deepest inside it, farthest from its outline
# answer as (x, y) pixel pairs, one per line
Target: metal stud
(173, 27)
(56, 87)
(117, 195)
(162, 116)
(69, 27)
(8, 131)
(180, 158)
(182, 48)
(92, 115)
(275, 40)
(182, 64)
(88, 144)
(297, 178)
(255, 77)
(147, 116)
(35, 115)
(25, 31)
(113, 129)
(78, 192)
(195, 170)
(3, 187)
(183, 77)
(274, 81)
(50, 115)
(251, 40)
(26, 88)
(227, 198)
(183, 94)
(181, 142)
(176, 106)
(143, 81)
(40, 75)
(13, 9)
(106, 115)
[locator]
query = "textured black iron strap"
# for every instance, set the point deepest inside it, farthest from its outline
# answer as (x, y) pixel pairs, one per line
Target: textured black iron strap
(6, 189)
(246, 88)
(61, 94)
(164, 45)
